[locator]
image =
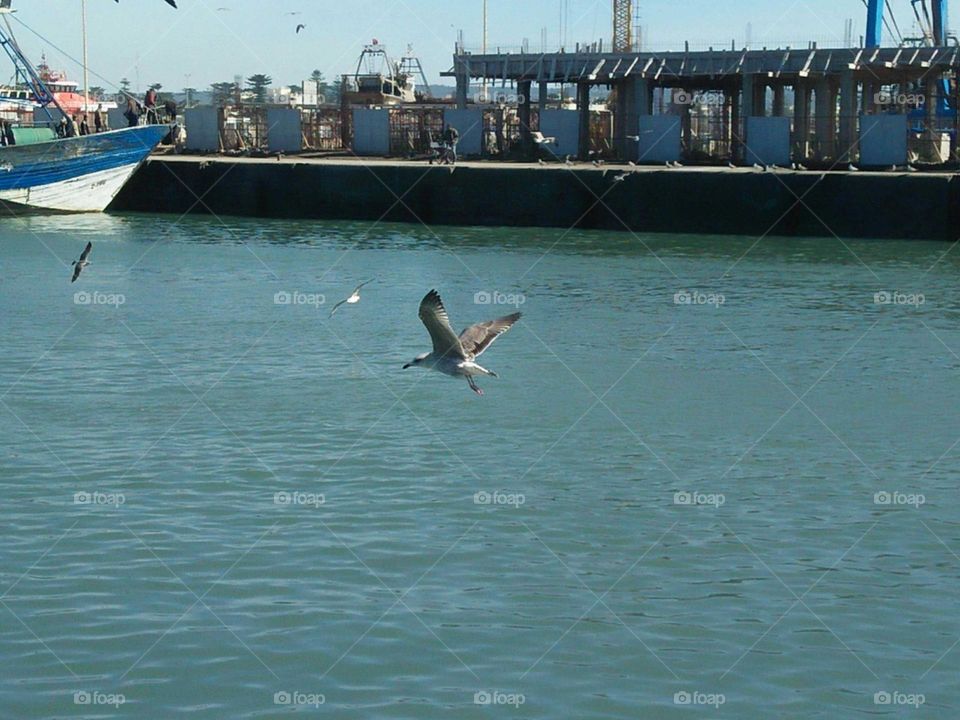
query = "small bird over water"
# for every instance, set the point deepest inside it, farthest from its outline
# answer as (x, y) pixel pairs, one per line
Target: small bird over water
(353, 299)
(453, 355)
(79, 265)
(300, 27)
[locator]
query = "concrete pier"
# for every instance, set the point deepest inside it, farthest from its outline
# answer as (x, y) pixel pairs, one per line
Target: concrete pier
(739, 201)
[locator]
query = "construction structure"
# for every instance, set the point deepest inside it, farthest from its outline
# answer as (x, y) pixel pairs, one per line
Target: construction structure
(880, 106)
(623, 13)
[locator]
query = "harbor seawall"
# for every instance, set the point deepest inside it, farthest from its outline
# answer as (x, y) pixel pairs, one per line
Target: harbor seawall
(683, 200)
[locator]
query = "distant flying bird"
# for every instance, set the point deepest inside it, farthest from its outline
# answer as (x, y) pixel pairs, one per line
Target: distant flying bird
(452, 354)
(171, 3)
(79, 265)
(353, 299)
(300, 27)
(293, 13)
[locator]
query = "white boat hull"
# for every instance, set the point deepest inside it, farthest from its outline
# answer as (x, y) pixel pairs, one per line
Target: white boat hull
(75, 174)
(87, 193)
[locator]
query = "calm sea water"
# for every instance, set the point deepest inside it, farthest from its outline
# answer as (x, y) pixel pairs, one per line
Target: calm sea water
(714, 476)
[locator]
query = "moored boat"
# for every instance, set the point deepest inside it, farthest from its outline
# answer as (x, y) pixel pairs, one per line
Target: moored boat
(43, 169)
(74, 174)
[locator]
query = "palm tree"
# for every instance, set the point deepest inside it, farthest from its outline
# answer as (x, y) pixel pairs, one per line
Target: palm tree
(258, 85)
(124, 90)
(223, 92)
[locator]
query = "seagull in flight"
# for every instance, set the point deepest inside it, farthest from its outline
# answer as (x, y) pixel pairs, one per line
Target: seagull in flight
(353, 299)
(452, 354)
(171, 3)
(79, 265)
(300, 27)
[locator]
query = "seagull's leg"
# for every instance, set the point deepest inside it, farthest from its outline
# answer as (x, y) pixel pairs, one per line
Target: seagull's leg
(473, 385)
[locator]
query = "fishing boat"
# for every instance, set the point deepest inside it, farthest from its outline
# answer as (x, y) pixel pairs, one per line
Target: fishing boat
(67, 93)
(40, 170)
(378, 80)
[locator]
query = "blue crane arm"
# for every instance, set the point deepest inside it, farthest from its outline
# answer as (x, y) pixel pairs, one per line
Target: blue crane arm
(874, 23)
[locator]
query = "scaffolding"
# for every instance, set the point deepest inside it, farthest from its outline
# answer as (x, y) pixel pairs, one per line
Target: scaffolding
(623, 14)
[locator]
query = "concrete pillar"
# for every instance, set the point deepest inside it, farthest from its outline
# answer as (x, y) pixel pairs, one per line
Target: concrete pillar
(759, 97)
(825, 120)
(634, 98)
(931, 98)
(583, 107)
(848, 117)
(801, 120)
(686, 124)
(867, 104)
(748, 99)
(736, 123)
(778, 100)
(524, 88)
(463, 89)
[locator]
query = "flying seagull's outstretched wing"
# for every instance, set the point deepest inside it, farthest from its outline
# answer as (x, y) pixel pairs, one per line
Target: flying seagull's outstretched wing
(435, 319)
(335, 307)
(358, 287)
(86, 252)
(477, 338)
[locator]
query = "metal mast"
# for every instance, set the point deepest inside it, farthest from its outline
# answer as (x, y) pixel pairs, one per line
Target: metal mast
(86, 77)
(623, 11)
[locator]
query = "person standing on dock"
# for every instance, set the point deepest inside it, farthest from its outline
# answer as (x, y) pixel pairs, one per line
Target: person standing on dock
(451, 137)
(84, 125)
(98, 119)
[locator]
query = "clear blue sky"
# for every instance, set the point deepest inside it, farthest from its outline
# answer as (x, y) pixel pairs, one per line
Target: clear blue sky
(147, 41)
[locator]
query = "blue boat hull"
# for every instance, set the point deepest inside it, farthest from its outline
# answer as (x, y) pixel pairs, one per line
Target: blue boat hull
(78, 174)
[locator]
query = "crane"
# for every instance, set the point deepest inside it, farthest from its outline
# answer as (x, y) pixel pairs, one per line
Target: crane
(623, 17)
(935, 20)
